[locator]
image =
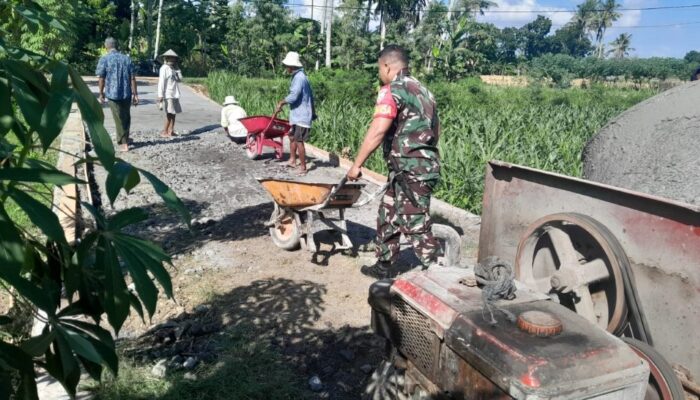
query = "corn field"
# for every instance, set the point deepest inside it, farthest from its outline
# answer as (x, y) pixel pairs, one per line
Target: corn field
(538, 127)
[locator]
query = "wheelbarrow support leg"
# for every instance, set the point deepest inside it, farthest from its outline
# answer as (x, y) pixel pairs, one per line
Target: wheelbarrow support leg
(309, 242)
(346, 242)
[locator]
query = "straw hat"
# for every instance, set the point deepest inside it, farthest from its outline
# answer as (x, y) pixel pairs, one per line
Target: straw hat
(169, 53)
(230, 100)
(292, 60)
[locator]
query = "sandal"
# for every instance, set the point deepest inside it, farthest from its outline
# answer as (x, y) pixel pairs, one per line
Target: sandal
(302, 173)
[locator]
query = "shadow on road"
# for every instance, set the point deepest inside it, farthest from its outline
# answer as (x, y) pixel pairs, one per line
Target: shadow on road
(166, 228)
(260, 341)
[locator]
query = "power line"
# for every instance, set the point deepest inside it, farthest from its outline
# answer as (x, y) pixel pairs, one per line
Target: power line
(493, 11)
(670, 25)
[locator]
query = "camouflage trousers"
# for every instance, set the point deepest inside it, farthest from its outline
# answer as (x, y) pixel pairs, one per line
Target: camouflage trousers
(406, 213)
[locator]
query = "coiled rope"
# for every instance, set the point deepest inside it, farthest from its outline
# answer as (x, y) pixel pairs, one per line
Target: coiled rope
(496, 276)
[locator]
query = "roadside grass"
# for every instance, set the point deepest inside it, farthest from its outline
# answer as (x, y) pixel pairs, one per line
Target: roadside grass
(246, 368)
(540, 127)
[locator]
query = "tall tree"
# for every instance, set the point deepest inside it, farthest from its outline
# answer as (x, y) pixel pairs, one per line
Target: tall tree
(606, 15)
(132, 25)
(160, 16)
(621, 46)
(584, 20)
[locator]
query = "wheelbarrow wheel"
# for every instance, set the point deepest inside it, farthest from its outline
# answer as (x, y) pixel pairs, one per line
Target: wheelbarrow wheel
(251, 147)
(286, 234)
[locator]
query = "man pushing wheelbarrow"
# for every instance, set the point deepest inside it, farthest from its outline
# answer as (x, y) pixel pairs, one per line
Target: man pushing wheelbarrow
(301, 111)
(406, 123)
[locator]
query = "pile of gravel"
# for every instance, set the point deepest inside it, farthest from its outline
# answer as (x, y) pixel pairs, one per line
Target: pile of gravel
(654, 147)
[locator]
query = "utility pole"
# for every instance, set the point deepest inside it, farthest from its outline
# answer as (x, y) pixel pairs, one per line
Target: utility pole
(312, 21)
(328, 32)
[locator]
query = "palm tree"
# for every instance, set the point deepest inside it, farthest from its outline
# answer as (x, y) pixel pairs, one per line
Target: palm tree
(472, 7)
(620, 47)
(585, 16)
(605, 16)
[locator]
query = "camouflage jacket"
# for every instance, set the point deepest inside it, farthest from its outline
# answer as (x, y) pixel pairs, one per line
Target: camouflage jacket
(410, 146)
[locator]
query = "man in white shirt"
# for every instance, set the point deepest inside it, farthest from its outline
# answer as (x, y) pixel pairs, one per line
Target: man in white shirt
(230, 116)
(169, 91)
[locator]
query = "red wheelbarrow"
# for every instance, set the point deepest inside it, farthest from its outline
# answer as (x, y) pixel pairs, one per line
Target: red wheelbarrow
(265, 131)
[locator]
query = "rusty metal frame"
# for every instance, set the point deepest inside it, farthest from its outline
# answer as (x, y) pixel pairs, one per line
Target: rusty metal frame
(660, 237)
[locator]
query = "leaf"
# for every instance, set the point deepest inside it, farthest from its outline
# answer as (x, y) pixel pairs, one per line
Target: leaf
(30, 99)
(92, 115)
(116, 294)
(35, 15)
(99, 218)
(58, 107)
(144, 286)
(136, 305)
(6, 114)
(12, 258)
(99, 338)
(4, 320)
(126, 217)
(79, 344)
(152, 257)
(63, 365)
(22, 362)
(121, 175)
(168, 195)
(40, 215)
(37, 345)
(39, 175)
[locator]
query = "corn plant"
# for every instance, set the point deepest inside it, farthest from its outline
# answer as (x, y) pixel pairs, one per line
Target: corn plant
(538, 127)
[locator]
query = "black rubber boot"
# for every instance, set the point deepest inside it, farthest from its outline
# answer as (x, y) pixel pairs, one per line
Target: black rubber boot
(379, 270)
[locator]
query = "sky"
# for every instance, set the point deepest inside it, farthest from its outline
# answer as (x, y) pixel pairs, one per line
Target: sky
(655, 33)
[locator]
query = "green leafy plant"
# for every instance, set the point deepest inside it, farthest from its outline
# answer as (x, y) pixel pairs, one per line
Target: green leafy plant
(69, 287)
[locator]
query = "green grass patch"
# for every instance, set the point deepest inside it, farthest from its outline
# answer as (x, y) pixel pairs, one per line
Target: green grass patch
(246, 369)
(539, 127)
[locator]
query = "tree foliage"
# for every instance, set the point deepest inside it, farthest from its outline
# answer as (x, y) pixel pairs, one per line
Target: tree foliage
(446, 40)
(70, 288)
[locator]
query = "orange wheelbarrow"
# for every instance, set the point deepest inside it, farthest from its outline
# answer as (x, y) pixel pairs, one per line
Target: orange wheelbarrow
(303, 208)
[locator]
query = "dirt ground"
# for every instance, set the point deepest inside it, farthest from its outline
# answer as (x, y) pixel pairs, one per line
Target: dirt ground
(311, 307)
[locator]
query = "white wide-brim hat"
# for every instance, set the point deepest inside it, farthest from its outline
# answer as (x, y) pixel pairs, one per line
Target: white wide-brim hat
(169, 53)
(292, 60)
(230, 100)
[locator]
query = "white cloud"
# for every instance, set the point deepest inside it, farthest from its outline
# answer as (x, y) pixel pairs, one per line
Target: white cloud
(632, 17)
(520, 12)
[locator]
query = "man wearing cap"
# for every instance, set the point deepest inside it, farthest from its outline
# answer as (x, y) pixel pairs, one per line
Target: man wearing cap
(117, 84)
(169, 78)
(230, 116)
(406, 123)
(301, 110)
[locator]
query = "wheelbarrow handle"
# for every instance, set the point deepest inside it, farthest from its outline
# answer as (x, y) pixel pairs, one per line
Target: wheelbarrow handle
(328, 198)
(272, 120)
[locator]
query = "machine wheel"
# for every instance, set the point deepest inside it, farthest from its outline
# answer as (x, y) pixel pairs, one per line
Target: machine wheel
(286, 235)
(451, 243)
(579, 263)
(663, 382)
(386, 383)
(251, 149)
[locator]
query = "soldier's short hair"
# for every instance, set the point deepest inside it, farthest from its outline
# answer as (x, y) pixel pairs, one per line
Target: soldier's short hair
(394, 53)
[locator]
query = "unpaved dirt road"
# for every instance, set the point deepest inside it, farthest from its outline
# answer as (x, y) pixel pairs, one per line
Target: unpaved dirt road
(313, 307)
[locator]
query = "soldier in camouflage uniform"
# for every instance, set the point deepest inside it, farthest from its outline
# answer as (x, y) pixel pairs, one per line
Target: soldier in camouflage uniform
(406, 124)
